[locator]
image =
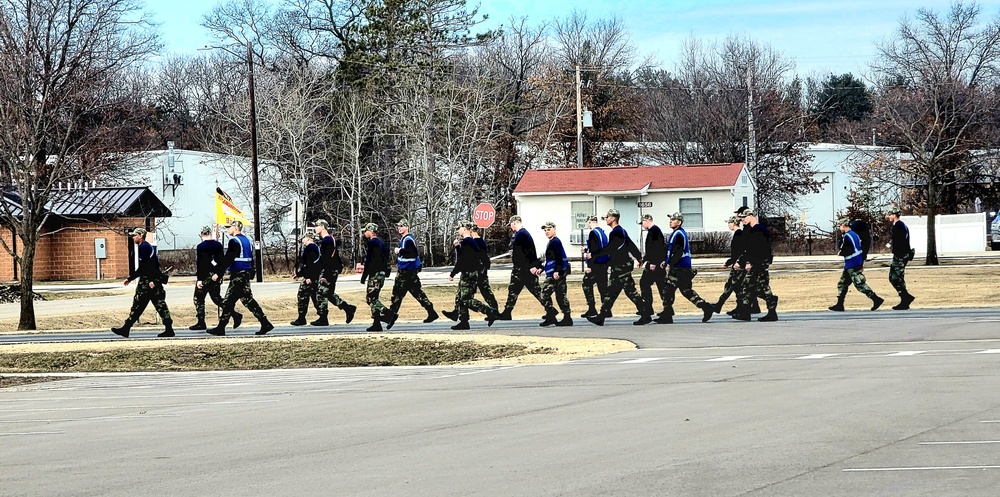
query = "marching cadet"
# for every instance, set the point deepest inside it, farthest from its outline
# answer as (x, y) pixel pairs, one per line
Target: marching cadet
(854, 262)
(556, 268)
(734, 264)
(524, 257)
(745, 227)
(332, 266)
(484, 276)
(622, 249)
(758, 257)
(901, 255)
(148, 289)
(596, 270)
(209, 256)
(652, 270)
(239, 262)
(375, 269)
(680, 273)
(469, 263)
(408, 267)
(309, 268)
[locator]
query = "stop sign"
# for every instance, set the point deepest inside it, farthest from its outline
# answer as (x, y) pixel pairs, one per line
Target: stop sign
(484, 215)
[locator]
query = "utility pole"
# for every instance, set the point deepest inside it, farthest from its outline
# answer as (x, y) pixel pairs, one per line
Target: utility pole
(253, 173)
(751, 158)
(579, 122)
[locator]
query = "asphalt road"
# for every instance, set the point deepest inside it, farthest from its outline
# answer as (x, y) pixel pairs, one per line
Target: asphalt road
(867, 404)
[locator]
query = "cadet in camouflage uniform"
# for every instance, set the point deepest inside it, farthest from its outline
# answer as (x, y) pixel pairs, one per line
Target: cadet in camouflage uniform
(469, 263)
(736, 273)
(332, 265)
(854, 261)
(901, 255)
(309, 268)
(208, 257)
(556, 268)
(652, 270)
(758, 257)
(524, 258)
(149, 288)
(621, 248)
(483, 279)
(374, 270)
(680, 273)
(596, 272)
(408, 267)
(238, 260)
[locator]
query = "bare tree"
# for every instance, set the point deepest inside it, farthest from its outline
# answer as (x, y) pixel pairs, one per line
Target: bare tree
(62, 60)
(936, 94)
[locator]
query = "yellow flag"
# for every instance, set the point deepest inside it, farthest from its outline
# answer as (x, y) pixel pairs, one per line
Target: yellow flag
(226, 211)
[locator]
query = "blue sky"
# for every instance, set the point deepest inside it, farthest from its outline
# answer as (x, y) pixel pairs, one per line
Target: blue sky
(821, 36)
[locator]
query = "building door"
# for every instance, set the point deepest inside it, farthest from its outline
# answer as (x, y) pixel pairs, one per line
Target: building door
(630, 217)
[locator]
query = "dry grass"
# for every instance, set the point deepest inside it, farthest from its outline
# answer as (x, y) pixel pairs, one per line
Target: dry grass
(16, 381)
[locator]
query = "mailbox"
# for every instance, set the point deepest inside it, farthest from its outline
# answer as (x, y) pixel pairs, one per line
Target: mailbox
(100, 248)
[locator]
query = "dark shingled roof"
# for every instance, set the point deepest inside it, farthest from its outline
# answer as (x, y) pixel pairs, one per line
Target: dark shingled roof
(132, 201)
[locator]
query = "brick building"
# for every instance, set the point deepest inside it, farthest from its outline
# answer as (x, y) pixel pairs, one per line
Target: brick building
(82, 224)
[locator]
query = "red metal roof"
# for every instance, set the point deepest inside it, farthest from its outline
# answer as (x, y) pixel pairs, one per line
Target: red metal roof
(629, 179)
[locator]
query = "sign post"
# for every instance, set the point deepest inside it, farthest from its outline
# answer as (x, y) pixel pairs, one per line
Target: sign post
(484, 215)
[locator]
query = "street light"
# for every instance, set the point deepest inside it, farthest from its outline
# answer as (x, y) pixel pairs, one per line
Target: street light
(259, 269)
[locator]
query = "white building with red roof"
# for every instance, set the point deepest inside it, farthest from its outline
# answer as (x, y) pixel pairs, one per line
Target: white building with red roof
(707, 194)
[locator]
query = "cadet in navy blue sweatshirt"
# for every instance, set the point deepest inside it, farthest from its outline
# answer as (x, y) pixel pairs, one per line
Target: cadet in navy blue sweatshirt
(556, 268)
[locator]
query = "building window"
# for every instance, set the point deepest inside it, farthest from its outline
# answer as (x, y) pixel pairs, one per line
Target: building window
(745, 202)
(744, 180)
(691, 209)
(581, 211)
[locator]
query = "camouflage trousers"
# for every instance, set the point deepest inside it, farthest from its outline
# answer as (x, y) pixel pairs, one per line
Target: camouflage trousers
(143, 296)
(465, 297)
(308, 292)
(857, 277)
(896, 270)
(408, 281)
(650, 277)
(757, 284)
(519, 280)
(681, 278)
(375, 283)
(621, 280)
(735, 283)
(208, 287)
(557, 286)
(486, 290)
(598, 276)
(326, 293)
(239, 290)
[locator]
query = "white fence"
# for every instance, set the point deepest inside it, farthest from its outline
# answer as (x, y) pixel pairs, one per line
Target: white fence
(955, 233)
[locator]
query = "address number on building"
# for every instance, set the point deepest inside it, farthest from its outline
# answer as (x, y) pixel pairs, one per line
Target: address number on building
(643, 205)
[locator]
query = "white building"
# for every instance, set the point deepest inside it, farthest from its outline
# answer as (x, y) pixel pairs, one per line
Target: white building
(836, 163)
(186, 181)
(706, 194)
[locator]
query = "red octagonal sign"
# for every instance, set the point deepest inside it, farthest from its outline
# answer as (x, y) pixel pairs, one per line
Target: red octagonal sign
(484, 215)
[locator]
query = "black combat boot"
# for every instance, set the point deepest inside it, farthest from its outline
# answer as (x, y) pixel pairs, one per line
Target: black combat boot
(321, 321)
(905, 299)
(376, 324)
(504, 316)
(491, 317)
(549, 319)
(707, 310)
(124, 330)
(237, 319)
(219, 330)
(565, 321)
(877, 302)
(461, 325)
(300, 321)
(772, 312)
(591, 311)
(717, 307)
(643, 319)
(754, 306)
(168, 329)
(452, 315)
(599, 318)
(265, 326)
(200, 325)
(389, 317)
(839, 306)
(743, 315)
(349, 311)
(432, 315)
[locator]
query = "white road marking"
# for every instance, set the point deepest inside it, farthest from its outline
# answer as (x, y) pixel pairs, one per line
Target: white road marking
(816, 356)
(962, 442)
(991, 421)
(150, 406)
(642, 360)
(917, 468)
(729, 358)
(906, 353)
(91, 418)
(15, 434)
(989, 351)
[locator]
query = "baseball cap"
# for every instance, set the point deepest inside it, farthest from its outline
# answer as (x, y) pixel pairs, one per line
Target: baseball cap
(462, 223)
(613, 212)
(741, 211)
(749, 212)
(549, 224)
(403, 222)
(893, 211)
(139, 232)
(514, 219)
(592, 218)
(734, 220)
(238, 224)
(321, 222)
(844, 221)
(309, 234)
(647, 217)
(677, 216)
(370, 227)
(206, 230)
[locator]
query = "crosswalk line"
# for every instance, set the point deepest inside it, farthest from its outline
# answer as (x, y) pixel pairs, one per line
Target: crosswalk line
(729, 358)
(906, 353)
(816, 356)
(642, 360)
